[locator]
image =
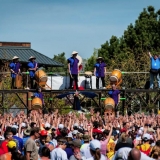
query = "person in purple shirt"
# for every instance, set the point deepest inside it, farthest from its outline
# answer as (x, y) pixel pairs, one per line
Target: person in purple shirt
(100, 71)
(39, 94)
(115, 95)
(15, 69)
(32, 67)
(73, 69)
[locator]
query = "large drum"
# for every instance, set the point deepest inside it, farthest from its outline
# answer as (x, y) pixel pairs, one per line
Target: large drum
(109, 103)
(41, 76)
(116, 76)
(18, 81)
(36, 103)
(109, 107)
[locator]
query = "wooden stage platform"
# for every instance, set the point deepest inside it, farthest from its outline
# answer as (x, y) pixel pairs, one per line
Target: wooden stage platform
(138, 99)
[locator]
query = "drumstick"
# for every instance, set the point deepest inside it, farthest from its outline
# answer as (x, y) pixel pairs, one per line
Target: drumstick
(70, 75)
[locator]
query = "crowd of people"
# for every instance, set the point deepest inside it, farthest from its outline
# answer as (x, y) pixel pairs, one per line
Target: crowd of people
(75, 136)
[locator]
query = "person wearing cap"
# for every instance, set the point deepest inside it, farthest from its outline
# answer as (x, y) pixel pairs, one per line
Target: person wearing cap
(32, 67)
(85, 150)
(145, 147)
(15, 155)
(115, 95)
(100, 72)
(15, 69)
(42, 140)
(95, 146)
(155, 69)
(73, 69)
(77, 155)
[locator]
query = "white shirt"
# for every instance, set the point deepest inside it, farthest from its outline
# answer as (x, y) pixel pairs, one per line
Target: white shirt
(123, 152)
(85, 150)
(102, 158)
(58, 154)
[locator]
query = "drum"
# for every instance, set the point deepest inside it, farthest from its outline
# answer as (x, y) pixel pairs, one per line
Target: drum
(116, 76)
(109, 103)
(18, 81)
(41, 76)
(36, 103)
(88, 74)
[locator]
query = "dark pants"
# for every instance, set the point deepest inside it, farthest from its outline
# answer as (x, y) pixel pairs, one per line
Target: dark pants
(97, 82)
(33, 83)
(13, 83)
(75, 79)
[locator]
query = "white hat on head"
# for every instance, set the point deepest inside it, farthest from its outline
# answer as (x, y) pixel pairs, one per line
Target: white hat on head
(47, 125)
(32, 57)
(23, 124)
(60, 126)
(15, 126)
(95, 144)
(2, 138)
(147, 136)
(15, 57)
(75, 125)
(74, 52)
(75, 132)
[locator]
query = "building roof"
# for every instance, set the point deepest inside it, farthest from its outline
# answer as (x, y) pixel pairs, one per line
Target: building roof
(8, 52)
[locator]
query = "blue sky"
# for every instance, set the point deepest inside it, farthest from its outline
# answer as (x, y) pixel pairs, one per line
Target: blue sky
(56, 26)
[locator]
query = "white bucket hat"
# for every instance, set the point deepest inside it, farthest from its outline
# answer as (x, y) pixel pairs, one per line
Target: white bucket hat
(15, 57)
(74, 52)
(32, 57)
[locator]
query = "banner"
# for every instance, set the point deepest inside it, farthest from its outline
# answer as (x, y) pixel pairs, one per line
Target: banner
(62, 82)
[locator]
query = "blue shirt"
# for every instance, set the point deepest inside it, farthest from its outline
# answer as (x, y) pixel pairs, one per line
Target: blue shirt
(15, 67)
(20, 143)
(73, 65)
(32, 65)
(24, 141)
(155, 63)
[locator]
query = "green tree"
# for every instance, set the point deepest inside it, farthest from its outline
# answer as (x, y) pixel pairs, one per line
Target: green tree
(62, 59)
(130, 52)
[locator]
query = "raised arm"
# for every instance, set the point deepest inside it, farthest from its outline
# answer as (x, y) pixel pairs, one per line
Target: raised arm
(150, 55)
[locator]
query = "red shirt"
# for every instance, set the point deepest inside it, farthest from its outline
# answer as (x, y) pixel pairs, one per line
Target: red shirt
(4, 147)
(96, 130)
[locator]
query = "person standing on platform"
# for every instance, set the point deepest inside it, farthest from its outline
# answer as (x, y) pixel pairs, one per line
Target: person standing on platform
(100, 72)
(73, 69)
(155, 69)
(32, 67)
(39, 94)
(15, 69)
(115, 95)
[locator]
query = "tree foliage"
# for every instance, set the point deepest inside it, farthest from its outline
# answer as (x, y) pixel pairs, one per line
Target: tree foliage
(62, 59)
(129, 53)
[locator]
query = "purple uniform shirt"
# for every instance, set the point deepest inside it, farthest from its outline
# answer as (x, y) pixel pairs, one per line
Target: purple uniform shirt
(114, 94)
(73, 65)
(100, 69)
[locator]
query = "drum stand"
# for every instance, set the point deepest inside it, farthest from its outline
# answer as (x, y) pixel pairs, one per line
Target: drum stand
(90, 78)
(43, 85)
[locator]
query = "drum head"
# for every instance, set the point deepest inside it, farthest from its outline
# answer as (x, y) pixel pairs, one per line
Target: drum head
(43, 79)
(113, 79)
(36, 106)
(109, 106)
